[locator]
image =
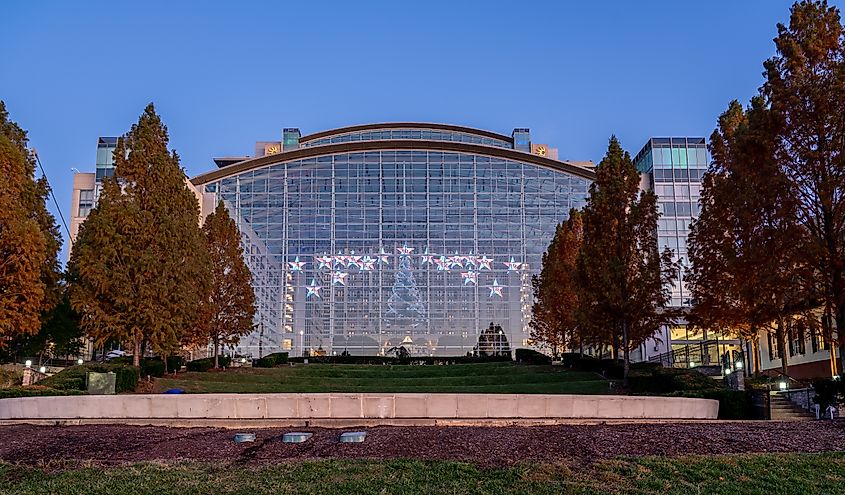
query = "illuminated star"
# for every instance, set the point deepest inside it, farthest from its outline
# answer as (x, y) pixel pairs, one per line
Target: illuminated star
(427, 257)
(470, 276)
(296, 265)
(512, 265)
(313, 289)
(340, 261)
(485, 262)
(353, 261)
(442, 264)
(470, 260)
(324, 261)
(339, 278)
(456, 261)
(382, 257)
(367, 263)
(405, 250)
(495, 289)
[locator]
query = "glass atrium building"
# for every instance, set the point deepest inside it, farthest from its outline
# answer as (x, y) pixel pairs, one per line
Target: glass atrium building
(372, 237)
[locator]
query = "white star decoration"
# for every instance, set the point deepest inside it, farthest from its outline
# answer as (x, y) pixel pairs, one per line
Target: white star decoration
(324, 261)
(313, 289)
(485, 262)
(442, 264)
(367, 263)
(512, 265)
(353, 261)
(405, 250)
(296, 265)
(339, 278)
(382, 257)
(495, 289)
(470, 276)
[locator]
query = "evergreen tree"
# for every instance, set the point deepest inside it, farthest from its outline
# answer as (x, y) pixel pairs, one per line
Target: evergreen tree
(405, 306)
(554, 321)
(230, 309)
(805, 89)
(624, 279)
(28, 237)
(140, 265)
(745, 275)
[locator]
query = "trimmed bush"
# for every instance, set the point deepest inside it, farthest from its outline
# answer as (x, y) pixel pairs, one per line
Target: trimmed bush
(530, 356)
(430, 360)
(828, 392)
(206, 364)
(73, 378)
(271, 360)
(733, 404)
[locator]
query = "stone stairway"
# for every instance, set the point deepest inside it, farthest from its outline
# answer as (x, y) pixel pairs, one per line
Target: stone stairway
(783, 409)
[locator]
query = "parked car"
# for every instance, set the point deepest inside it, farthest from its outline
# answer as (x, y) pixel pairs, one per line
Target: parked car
(116, 353)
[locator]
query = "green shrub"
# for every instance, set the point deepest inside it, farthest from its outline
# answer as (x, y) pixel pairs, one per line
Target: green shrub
(530, 356)
(733, 404)
(152, 367)
(669, 380)
(34, 391)
(271, 360)
(73, 378)
(828, 392)
(10, 377)
(206, 364)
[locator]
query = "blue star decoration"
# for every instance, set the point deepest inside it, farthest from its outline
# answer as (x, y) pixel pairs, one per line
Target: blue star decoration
(495, 289)
(313, 289)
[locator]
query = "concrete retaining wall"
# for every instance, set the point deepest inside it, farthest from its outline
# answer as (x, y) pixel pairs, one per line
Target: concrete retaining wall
(357, 406)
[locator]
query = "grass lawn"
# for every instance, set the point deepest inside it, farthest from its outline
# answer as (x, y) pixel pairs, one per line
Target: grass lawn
(747, 474)
(464, 378)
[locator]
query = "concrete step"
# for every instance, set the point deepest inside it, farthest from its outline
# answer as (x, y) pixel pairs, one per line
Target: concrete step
(783, 409)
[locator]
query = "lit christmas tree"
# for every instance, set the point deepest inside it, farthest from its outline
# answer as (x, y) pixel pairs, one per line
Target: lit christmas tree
(405, 306)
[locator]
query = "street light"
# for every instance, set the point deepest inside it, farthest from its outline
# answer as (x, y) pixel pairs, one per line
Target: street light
(79, 361)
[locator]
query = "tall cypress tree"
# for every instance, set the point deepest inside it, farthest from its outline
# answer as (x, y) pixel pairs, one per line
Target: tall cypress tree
(624, 279)
(230, 308)
(554, 321)
(140, 265)
(746, 275)
(805, 89)
(24, 246)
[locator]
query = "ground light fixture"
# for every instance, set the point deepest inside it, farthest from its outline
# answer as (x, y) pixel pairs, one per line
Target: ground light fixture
(28, 363)
(43, 369)
(738, 365)
(79, 361)
(782, 385)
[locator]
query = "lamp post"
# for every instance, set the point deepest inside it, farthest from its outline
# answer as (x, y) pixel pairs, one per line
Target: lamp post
(302, 343)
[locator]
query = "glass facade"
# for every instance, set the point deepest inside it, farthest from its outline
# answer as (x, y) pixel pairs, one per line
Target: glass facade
(105, 157)
(426, 134)
(674, 168)
(365, 251)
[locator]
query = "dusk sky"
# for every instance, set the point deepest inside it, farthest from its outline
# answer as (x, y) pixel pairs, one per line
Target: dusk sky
(224, 75)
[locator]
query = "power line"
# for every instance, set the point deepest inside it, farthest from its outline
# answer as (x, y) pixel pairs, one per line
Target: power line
(53, 195)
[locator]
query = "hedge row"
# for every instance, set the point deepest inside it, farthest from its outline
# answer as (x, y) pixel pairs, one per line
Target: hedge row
(34, 391)
(429, 360)
(733, 404)
(153, 366)
(206, 364)
(530, 356)
(271, 360)
(73, 378)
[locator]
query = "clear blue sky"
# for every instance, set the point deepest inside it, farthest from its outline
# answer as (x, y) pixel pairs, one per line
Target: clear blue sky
(224, 75)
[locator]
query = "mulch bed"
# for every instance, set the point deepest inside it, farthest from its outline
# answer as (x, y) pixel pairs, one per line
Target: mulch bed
(486, 446)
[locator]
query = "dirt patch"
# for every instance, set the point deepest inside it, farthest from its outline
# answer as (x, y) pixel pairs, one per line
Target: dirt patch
(488, 446)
